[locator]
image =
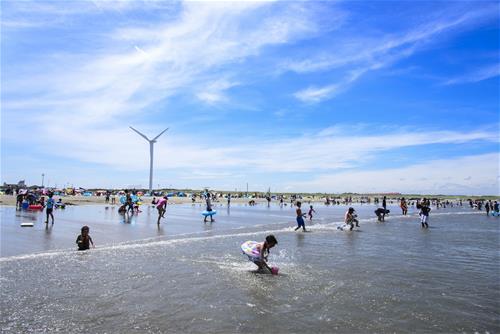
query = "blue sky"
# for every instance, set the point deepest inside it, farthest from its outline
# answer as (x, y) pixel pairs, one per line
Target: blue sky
(333, 96)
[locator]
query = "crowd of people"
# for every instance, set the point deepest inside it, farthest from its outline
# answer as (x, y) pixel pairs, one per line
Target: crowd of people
(130, 202)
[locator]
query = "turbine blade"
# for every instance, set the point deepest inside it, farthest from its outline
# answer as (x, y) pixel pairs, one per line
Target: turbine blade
(140, 134)
(160, 134)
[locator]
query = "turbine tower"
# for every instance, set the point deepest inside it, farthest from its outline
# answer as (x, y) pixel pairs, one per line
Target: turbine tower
(151, 145)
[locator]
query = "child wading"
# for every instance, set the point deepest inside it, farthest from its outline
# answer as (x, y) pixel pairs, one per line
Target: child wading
(404, 206)
(310, 213)
(424, 215)
(161, 205)
(209, 209)
(300, 218)
(380, 212)
(258, 252)
(350, 218)
(84, 240)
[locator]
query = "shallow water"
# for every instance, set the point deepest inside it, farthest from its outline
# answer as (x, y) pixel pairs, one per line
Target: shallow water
(191, 277)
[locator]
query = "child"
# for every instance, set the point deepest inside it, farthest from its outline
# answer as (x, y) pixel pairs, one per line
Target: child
(350, 218)
(129, 202)
(49, 209)
(424, 215)
(162, 208)
(19, 201)
(380, 212)
(59, 204)
(300, 219)
(84, 240)
(404, 206)
(209, 209)
(310, 213)
(258, 252)
(122, 209)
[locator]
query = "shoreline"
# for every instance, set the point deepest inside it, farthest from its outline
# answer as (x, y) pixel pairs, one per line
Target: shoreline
(10, 200)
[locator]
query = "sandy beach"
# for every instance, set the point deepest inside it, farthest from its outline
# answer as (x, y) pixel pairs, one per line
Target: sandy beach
(92, 200)
(87, 200)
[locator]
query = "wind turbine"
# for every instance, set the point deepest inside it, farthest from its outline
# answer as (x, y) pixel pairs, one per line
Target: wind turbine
(151, 145)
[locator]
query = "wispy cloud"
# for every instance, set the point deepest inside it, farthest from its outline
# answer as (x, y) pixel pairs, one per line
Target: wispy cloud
(360, 56)
(472, 175)
(315, 94)
(141, 66)
(214, 92)
(148, 63)
(484, 73)
(324, 151)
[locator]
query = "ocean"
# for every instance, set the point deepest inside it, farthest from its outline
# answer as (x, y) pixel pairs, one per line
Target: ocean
(187, 276)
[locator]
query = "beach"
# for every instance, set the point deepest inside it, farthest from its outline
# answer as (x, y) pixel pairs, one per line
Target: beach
(189, 277)
(10, 200)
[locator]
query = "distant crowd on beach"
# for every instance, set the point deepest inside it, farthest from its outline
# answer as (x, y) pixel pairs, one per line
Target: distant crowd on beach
(129, 202)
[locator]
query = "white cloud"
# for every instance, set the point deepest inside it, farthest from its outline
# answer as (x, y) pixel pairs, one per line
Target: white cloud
(481, 74)
(324, 151)
(358, 56)
(182, 54)
(314, 94)
(450, 176)
(340, 161)
(80, 104)
(214, 92)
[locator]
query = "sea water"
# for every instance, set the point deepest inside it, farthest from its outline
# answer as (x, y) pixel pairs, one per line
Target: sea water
(187, 276)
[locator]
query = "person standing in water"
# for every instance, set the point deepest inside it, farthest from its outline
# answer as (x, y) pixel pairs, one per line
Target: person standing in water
(350, 218)
(384, 202)
(424, 214)
(228, 200)
(49, 209)
(310, 213)
(161, 206)
(84, 240)
(487, 208)
(300, 218)
(209, 208)
(19, 201)
(404, 206)
(128, 202)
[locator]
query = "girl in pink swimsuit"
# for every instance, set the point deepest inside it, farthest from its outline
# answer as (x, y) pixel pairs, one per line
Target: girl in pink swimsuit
(161, 205)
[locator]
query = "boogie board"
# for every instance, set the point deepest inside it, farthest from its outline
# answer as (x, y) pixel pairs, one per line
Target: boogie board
(27, 224)
(209, 213)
